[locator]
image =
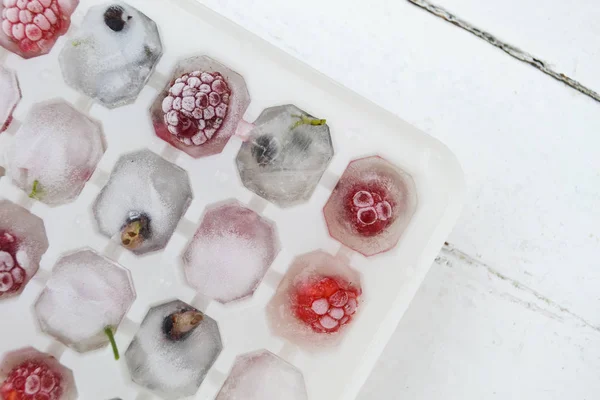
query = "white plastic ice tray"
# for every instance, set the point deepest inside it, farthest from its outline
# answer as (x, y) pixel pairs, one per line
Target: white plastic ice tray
(358, 129)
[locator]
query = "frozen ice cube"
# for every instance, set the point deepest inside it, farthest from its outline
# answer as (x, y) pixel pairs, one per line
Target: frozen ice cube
(30, 28)
(23, 241)
(112, 55)
(54, 152)
(86, 294)
(199, 109)
(316, 301)
(230, 253)
(143, 201)
(44, 376)
(263, 376)
(10, 94)
(173, 350)
(285, 156)
(371, 206)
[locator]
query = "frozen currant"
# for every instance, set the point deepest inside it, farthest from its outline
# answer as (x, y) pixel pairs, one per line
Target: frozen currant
(34, 25)
(326, 303)
(265, 149)
(369, 207)
(33, 380)
(196, 106)
(135, 230)
(180, 324)
(113, 18)
(12, 275)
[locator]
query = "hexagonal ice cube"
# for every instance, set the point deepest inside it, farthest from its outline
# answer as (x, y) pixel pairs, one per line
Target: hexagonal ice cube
(286, 154)
(29, 374)
(112, 55)
(23, 241)
(230, 252)
(199, 109)
(54, 152)
(371, 206)
(86, 294)
(10, 94)
(143, 201)
(173, 350)
(262, 375)
(31, 27)
(316, 300)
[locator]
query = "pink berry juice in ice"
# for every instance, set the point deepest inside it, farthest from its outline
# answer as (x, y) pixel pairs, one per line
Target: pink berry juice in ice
(370, 206)
(10, 95)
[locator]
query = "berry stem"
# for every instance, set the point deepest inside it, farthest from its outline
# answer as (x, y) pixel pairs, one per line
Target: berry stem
(35, 190)
(306, 120)
(111, 338)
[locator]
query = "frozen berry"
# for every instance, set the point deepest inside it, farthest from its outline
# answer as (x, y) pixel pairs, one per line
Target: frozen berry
(32, 380)
(179, 325)
(135, 230)
(325, 304)
(369, 209)
(12, 275)
(114, 19)
(33, 24)
(195, 106)
(265, 149)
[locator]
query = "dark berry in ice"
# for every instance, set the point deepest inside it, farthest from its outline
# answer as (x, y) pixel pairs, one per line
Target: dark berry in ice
(113, 18)
(32, 380)
(195, 106)
(325, 304)
(179, 325)
(265, 149)
(136, 230)
(12, 275)
(369, 209)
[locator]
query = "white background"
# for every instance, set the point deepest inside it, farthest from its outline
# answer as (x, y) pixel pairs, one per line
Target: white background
(511, 308)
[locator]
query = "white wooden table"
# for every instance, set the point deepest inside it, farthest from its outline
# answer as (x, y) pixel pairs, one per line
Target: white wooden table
(511, 307)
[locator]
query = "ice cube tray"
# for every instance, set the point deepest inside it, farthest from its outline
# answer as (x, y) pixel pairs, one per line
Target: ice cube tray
(358, 128)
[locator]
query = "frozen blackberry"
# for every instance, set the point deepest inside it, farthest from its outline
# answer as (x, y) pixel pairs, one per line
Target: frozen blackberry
(113, 18)
(179, 325)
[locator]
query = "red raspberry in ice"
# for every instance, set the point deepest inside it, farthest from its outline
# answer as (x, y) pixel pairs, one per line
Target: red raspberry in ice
(31, 380)
(196, 106)
(12, 276)
(33, 24)
(369, 209)
(325, 304)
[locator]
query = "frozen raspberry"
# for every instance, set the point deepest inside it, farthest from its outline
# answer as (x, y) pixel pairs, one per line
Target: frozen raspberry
(12, 275)
(325, 304)
(196, 106)
(369, 209)
(33, 24)
(31, 380)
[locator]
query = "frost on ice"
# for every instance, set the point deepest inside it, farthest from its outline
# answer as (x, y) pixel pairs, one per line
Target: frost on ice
(230, 253)
(199, 109)
(10, 94)
(371, 206)
(263, 376)
(23, 241)
(85, 294)
(112, 56)
(173, 350)
(143, 201)
(285, 156)
(54, 152)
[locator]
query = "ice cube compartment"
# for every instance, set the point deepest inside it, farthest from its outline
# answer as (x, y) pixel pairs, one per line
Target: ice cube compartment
(358, 129)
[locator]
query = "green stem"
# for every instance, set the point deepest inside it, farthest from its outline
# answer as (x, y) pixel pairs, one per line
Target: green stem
(111, 337)
(35, 190)
(305, 120)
